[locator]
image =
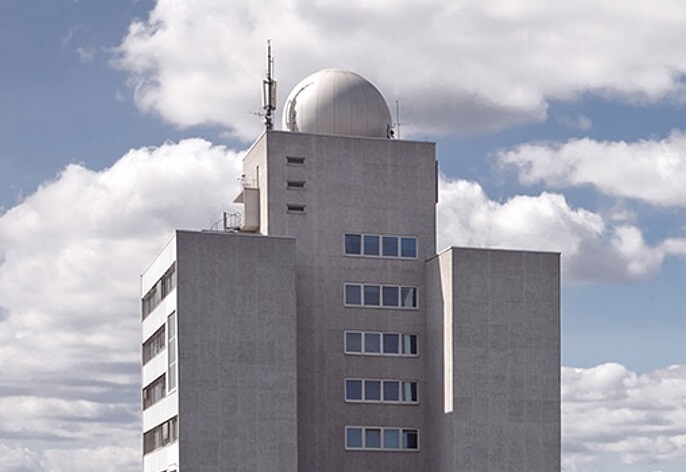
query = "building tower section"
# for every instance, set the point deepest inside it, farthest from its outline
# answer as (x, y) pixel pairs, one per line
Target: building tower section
(327, 334)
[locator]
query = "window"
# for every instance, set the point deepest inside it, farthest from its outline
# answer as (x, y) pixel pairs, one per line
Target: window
(295, 160)
(171, 355)
(386, 296)
(374, 245)
(295, 184)
(161, 435)
(380, 391)
(390, 246)
(159, 291)
(374, 438)
(408, 247)
(155, 391)
(154, 345)
(387, 344)
(292, 208)
(371, 245)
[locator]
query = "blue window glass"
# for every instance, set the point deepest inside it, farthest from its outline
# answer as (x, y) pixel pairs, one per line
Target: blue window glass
(410, 439)
(353, 438)
(371, 245)
(372, 438)
(390, 296)
(353, 294)
(353, 342)
(391, 391)
(408, 297)
(372, 295)
(408, 247)
(389, 246)
(391, 438)
(353, 390)
(372, 343)
(391, 344)
(353, 244)
(372, 390)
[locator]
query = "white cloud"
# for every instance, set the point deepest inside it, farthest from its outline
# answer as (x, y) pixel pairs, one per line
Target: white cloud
(653, 171)
(592, 248)
(473, 66)
(70, 256)
(610, 409)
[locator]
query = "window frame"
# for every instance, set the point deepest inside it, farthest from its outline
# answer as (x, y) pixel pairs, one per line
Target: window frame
(402, 291)
(401, 343)
(366, 386)
(402, 434)
(380, 245)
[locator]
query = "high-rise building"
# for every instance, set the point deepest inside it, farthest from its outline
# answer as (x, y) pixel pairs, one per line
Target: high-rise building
(326, 334)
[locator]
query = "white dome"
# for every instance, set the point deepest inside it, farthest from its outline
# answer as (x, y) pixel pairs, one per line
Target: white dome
(334, 101)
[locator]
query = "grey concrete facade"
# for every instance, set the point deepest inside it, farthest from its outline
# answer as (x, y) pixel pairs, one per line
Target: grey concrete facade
(273, 305)
(494, 365)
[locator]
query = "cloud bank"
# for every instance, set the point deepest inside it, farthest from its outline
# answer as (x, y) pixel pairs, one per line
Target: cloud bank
(473, 67)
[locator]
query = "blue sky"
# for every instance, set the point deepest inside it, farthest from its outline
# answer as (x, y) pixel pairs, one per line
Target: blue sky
(558, 127)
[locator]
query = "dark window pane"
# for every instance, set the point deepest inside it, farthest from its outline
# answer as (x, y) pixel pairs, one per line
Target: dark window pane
(408, 297)
(410, 439)
(391, 438)
(390, 343)
(372, 343)
(372, 390)
(353, 294)
(390, 296)
(353, 437)
(372, 438)
(353, 390)
(353, 342)
(371, 245)
(353, 244)
(389, 246)
(391, 391)
(409, 344)
(371, 295)
(410, 392)
(408, 247)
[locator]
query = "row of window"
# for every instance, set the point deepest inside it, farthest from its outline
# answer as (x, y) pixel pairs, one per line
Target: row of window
(155, 392)
(384, 391)
(159, 291)
(385, 344)
(386, 296)
(373, 438)
(154, 345)
(376, 245)
(161, 435)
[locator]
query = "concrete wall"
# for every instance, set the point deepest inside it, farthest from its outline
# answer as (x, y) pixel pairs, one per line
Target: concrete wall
(237, 353)
(360, 185)
(495, 403)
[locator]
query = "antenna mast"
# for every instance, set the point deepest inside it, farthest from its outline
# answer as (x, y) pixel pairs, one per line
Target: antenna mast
(269, 90)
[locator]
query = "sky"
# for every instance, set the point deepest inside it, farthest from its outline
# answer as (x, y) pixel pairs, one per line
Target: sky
(559, 126)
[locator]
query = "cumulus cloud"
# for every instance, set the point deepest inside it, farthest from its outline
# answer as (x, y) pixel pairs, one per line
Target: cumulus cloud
(652, 171)
(592, 248)
(70, 256)
(610, 409)
(476, 66)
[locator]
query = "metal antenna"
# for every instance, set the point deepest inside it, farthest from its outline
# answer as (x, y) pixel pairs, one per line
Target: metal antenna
(269, 90)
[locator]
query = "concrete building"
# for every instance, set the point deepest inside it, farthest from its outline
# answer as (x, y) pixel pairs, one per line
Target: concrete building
(327, 334)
